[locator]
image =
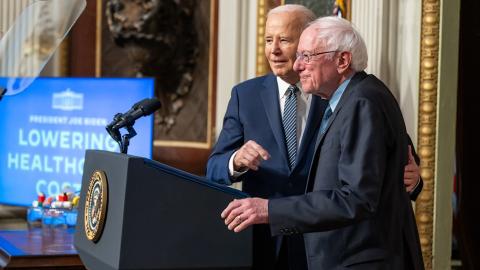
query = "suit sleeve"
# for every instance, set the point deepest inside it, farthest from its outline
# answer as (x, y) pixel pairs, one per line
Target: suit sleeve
(416, 191)
(231, 138)
(361, 172)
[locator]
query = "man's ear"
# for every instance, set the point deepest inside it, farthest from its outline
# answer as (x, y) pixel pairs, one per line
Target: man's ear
(344, 61)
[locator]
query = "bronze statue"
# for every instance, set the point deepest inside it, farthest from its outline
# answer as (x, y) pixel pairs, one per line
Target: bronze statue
(160, 39)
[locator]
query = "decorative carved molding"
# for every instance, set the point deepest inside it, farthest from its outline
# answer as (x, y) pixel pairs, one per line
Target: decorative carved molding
(427, 124)
(263, 7)
(98, 40)
(261, 17)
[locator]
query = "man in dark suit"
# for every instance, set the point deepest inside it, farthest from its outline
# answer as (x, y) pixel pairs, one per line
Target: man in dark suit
(253, 132)
(356, 213)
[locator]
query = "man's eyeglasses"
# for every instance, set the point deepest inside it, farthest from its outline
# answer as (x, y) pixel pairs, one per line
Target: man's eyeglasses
(307, 56)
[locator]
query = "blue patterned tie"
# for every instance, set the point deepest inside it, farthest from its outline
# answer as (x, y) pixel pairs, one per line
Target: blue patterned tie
(326, 117)
(290, 124)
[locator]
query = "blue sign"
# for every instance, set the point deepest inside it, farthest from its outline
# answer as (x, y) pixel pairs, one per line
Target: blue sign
(45, 130)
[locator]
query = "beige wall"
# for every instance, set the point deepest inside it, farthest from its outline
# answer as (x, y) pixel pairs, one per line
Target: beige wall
(9, 10)
(391, 30)
(236, 50)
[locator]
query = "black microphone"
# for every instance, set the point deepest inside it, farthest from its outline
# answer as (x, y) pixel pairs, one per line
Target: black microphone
(142, 108)
(3, 91)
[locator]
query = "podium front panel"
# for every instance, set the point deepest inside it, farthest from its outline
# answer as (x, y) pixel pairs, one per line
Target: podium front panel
(159, 217)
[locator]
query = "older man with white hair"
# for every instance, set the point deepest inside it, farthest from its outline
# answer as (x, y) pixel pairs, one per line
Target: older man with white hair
(267, 132)
(356, 213)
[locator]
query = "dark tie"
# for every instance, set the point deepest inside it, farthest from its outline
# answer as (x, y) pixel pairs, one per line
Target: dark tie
(290, 124)
(326, 117)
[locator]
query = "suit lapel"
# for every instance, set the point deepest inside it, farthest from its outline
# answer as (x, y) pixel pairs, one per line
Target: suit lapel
(346, 94)
(315, 115)
(271, 104)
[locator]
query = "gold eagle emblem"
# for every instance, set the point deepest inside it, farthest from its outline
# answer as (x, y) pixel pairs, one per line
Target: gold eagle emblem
(96, 206)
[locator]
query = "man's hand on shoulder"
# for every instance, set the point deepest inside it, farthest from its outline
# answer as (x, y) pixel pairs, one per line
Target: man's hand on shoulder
(411, 175)
(249, 156)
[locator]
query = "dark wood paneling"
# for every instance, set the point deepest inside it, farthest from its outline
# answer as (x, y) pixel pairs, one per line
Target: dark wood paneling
(187, 159)
(82, 43)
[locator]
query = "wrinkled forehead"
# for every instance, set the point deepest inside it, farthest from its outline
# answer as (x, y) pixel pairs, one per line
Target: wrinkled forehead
(312, 39)
(286, 21)
(308, 40)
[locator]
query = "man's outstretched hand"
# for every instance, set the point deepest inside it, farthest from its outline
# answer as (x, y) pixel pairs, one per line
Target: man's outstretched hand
(240, 214)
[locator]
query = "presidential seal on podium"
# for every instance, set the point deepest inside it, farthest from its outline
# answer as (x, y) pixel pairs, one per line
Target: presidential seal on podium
(96, 206)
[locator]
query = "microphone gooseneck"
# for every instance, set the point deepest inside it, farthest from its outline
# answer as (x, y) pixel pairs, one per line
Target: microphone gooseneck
(127, 120)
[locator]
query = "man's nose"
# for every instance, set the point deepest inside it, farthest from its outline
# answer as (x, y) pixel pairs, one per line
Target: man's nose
(276, 47)
(298, 65)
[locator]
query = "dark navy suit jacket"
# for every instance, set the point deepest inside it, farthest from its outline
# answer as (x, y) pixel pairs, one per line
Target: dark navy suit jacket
(253, 113)
(356, 213)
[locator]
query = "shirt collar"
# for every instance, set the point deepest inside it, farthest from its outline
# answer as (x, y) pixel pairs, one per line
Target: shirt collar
(283, 86)
(333, 102)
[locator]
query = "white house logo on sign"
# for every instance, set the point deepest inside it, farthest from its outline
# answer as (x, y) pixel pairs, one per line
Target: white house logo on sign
(67, 100)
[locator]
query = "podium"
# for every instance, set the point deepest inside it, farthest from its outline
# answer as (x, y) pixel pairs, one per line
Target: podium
(152, 216)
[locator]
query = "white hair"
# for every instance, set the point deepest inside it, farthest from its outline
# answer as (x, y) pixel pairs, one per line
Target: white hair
(338, 34)
(305, 15)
